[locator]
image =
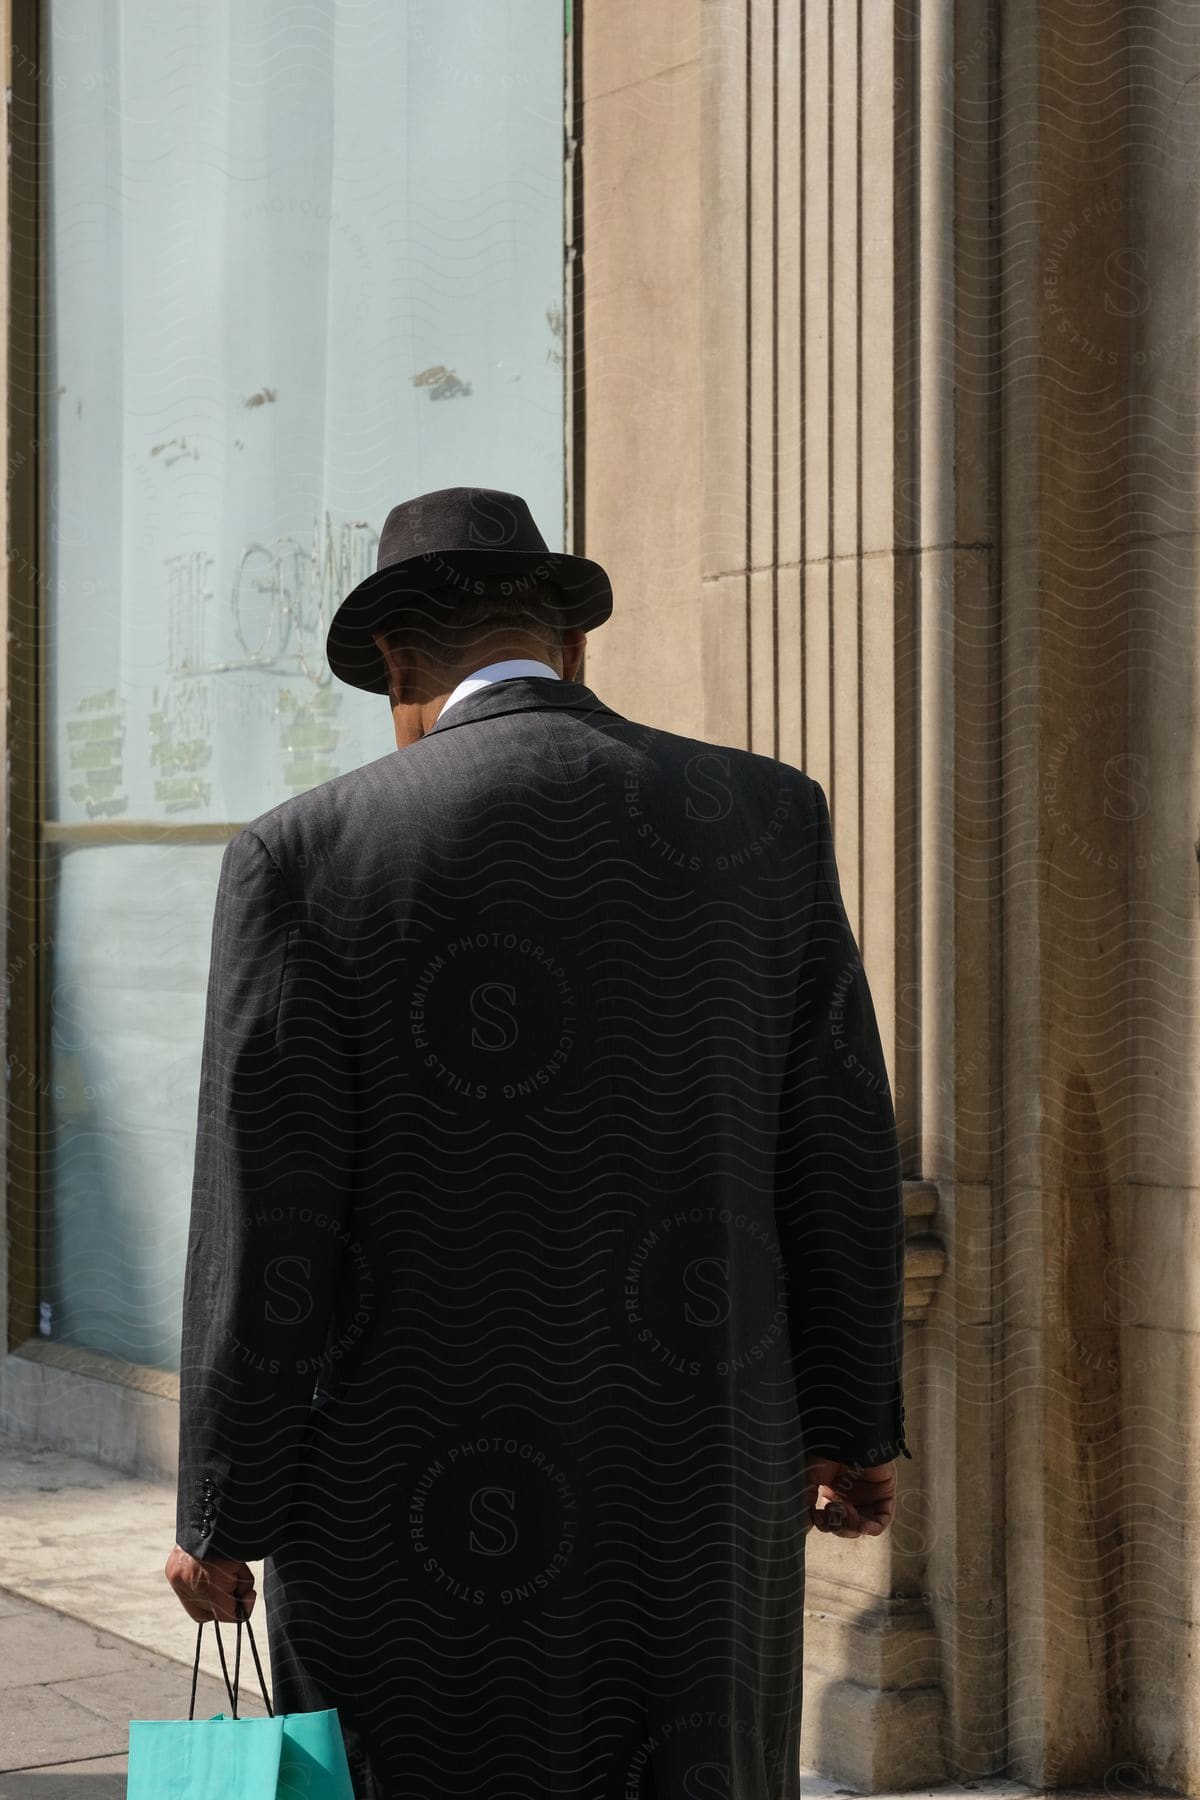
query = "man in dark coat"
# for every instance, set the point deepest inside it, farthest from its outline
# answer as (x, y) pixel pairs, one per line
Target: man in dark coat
(546, 1249)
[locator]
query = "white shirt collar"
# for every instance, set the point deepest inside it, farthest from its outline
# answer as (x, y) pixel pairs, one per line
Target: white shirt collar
(497, 671)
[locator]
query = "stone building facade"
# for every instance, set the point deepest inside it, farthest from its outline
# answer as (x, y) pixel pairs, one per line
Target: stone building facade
(885, 362)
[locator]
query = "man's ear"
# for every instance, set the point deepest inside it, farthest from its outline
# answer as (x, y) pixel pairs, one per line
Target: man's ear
(573, 644)
(380, 643)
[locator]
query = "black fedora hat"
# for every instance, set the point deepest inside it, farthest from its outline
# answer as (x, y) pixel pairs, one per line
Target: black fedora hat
(437, 549)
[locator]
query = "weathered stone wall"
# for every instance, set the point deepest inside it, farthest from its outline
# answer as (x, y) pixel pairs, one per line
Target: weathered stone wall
(891, 394)
(1098, 237)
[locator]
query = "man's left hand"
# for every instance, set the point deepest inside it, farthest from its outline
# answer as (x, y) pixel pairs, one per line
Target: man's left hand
(210, 1589)
(859, 1502)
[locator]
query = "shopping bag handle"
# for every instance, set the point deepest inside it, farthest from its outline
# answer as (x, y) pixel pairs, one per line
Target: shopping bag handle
(237, 1663)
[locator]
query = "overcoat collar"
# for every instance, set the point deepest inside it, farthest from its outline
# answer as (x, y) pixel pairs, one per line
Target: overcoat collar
(521, 693)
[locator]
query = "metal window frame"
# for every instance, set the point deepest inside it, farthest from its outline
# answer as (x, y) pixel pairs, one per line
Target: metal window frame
(574, 389)
(23, 878)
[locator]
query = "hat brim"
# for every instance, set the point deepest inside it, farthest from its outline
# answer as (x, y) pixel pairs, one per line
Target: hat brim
(582, 588)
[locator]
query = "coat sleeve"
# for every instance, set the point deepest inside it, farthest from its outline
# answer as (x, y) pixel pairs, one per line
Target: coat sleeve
(267, 1232)
(839, 1195)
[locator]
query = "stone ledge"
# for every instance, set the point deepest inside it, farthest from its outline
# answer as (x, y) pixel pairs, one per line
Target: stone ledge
(890, 1646)
(100, 1366)
(920, 1198)
(870, 1740)
(67, 1404)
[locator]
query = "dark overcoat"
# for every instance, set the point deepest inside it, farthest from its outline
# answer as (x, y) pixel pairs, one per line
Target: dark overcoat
(547, 1209)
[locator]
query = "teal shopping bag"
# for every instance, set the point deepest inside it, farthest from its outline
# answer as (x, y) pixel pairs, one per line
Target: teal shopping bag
(289, 1756)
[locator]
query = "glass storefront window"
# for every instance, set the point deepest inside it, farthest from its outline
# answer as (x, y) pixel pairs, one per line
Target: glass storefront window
(301, 264)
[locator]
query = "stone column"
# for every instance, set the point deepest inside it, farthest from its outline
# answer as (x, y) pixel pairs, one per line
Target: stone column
(947, 389)
(637, 365)
(771, 478)
(1098, 244)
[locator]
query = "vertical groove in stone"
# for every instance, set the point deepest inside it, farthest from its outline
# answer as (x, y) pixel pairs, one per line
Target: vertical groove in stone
(830, 394)
(574, 344)
(763, 542)
(878, 642)
(861, 927)
(902, 489)
(802, 360)
(845, 297)
(748, 560)
(816, 367)
(933, 539)
(790, 700)
(724, 533)
(775, 379)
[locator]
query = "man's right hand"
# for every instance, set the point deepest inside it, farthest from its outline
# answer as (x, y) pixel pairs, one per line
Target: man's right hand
(210, 1589)
(848, 1502)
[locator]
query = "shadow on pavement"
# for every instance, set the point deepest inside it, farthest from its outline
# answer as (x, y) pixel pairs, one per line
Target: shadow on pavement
(61, 1784)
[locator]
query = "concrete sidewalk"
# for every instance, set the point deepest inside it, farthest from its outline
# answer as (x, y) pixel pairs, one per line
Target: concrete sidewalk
(91, 1636)
(91, 1542)
(68, 1692)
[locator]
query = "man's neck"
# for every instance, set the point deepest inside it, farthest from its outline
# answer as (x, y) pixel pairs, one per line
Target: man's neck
(432, 709)
(517, 653)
